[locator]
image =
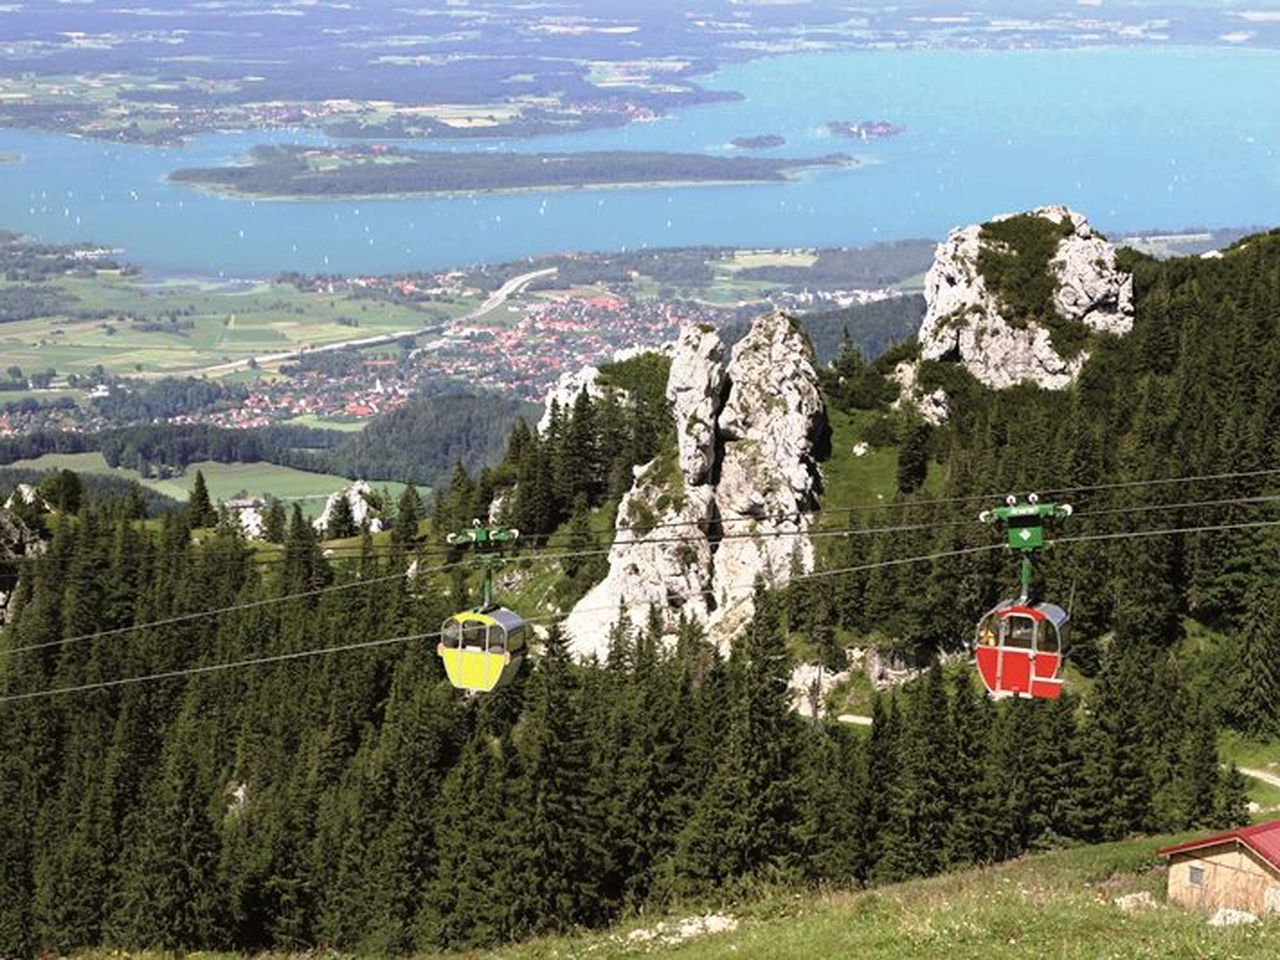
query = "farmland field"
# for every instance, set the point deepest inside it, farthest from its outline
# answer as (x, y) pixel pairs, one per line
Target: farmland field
(224, 479)
(177, 328)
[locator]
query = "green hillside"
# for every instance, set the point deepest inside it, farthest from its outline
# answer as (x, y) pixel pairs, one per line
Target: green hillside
(1059, 904)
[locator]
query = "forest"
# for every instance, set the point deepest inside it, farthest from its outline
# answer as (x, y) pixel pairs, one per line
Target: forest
(288, 171)
(300, 775)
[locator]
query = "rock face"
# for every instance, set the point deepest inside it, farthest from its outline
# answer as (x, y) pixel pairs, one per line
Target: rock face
(966, 321)
(772, 426)
(361, 511)
(695, 390)
(737, 495)
(17, 540)
(566, 390)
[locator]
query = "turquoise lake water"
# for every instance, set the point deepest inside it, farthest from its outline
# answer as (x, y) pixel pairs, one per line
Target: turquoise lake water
(1134, 137)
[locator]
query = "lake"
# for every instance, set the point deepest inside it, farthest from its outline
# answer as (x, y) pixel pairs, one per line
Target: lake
(1134, 137)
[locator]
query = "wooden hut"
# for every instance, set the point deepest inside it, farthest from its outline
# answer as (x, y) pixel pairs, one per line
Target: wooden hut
(1239, 870)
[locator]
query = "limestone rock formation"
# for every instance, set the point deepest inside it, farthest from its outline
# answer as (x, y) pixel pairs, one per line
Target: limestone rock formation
(969, 323)
(771, 428)
(362, 512)
(17, 541)
(695, 389)
(737, 492)
(565, 391)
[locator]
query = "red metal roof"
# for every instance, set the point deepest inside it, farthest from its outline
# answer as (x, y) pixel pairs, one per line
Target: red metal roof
(1262, 838)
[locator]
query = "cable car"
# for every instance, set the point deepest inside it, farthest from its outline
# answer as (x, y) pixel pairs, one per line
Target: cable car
(1021, 650)
(482, 649)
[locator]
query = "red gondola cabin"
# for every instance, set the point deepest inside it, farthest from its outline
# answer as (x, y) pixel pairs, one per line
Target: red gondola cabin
(1020, 650)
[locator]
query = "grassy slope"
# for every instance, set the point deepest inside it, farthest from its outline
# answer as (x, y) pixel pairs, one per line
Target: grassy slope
(1054, 905)
(224, 479)
(1059, 904)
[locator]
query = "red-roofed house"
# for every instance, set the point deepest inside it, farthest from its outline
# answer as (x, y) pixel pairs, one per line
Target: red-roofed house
(1239, 869)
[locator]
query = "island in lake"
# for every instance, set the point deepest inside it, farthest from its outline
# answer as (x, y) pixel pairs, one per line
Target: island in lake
(762, 142)
(303, 172)
(10, 157)
(864, 129)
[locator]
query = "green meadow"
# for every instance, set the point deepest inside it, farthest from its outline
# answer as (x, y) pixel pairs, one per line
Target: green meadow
(211, 325)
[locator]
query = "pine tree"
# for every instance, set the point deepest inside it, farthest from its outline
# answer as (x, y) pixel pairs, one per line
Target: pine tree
(1257, 699)
(342, 522)
(409, 515)
(555, 841)
(200, 510)
(276, 521)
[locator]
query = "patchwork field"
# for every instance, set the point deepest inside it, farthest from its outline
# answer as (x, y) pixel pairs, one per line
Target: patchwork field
(176, 328)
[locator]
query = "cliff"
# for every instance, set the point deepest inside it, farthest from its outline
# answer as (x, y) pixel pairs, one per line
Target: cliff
(731, 502)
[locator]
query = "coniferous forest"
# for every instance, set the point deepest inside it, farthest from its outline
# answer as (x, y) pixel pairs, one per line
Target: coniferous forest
(353, 799)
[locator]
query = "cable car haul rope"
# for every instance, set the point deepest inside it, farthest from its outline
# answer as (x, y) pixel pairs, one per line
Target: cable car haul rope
(1020, 647)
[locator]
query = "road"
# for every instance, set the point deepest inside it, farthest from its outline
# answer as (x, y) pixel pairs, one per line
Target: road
(494, 300)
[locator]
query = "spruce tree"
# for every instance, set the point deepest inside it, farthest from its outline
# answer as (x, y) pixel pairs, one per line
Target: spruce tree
(200, 510)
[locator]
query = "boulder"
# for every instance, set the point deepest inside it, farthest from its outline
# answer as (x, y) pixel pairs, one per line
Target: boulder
(1135, 902)
(1227, 917)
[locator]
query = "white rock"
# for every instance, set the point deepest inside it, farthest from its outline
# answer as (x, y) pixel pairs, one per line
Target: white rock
(28, 495)
(769, 478)
(767, 486)
(647, 570)
(252, 523)
(933, 406)
(361, 512)
(964, 320)
(810, 682)
(1227, 917)
(678, 931)
(861, 449)
(565, 393)
(694, 391)
(1133, 902)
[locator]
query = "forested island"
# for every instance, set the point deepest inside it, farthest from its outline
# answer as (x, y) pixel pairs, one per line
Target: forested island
(762, 142)
(300, 172)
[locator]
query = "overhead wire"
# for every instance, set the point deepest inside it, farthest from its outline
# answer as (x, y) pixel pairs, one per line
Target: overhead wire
(604, 551)
(370, 644)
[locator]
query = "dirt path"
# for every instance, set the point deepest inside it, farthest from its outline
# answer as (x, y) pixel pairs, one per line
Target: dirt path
(1263, 775)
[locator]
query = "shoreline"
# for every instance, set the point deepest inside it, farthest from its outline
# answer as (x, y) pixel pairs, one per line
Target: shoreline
(790, 176)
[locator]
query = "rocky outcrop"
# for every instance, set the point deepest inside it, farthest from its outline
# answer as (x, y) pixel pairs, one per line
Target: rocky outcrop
(970, 323)
(24, 494)
(732, 502)
(648, 569)
(565, 391)
(695, 390)
(358, 496)
(17, 541)
(772, 427)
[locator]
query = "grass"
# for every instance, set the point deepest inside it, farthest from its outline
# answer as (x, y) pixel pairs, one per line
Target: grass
(1058, 904)
(868, 479)
(224, 479)
(226, 324)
